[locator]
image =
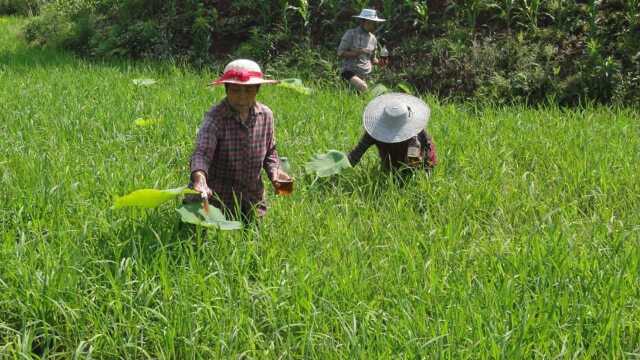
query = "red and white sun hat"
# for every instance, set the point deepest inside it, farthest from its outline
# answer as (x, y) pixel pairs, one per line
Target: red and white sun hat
(243, 72)
(395, 117)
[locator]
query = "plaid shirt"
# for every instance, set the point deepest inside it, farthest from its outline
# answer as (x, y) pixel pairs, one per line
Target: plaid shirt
(358, 38)
(231, 153)
(395, 155)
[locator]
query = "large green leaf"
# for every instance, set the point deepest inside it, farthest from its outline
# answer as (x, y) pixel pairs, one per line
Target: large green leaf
(144, 82)
(190, 217)
(405, 87)
(142, 122)
(193, 213)
(377, 91)
(150, 198)
(295, 85)
(328, 164)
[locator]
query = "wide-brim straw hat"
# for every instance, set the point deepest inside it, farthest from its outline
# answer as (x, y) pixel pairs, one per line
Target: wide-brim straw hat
(369, 14)
(395, 117)
(243, 72)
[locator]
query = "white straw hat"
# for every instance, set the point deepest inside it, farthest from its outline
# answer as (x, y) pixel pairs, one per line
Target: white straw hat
(243, 72)
(395, 117)
(369, 14)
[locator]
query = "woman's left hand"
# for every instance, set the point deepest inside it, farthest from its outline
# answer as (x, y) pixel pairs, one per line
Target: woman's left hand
(282, 183)
(280, 176)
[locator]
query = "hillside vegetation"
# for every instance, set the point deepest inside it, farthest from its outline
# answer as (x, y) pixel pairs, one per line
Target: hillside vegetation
(501, 51)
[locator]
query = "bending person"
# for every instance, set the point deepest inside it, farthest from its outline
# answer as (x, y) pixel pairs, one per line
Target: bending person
(395, 123)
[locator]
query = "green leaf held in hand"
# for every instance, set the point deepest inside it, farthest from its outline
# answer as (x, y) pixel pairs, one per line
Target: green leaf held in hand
(328, 164)
(193, 213)
(295, 85)
(150, 198)
(144, 82)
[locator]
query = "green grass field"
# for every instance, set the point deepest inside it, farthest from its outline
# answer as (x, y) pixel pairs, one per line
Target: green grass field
(524, 243)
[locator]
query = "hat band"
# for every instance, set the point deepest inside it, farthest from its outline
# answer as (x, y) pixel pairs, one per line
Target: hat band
(240, 75)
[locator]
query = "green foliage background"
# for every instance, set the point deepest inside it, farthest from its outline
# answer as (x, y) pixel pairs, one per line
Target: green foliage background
(567, 51)
(21, 7)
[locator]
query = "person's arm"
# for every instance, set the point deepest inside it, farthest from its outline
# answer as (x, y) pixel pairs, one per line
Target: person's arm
(374, 53)
(271, 162)
(206, 143)
(351, 54)
(430, 159)
(356, 154)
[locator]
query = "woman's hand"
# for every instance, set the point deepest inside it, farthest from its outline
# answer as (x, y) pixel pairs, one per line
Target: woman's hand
(200, 183)
(282, 183)
(279, 177)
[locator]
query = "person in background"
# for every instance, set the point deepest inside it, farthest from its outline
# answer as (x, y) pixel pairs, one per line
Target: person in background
(357, 49)
(236, 140)
(395, 123)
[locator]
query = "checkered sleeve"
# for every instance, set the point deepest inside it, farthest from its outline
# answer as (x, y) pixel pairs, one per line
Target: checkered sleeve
(206, 143)
(356, 154)
(271, 161)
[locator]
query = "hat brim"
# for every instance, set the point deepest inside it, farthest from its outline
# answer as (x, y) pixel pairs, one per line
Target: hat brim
(253, 81)
(374, 112)
(370, 19)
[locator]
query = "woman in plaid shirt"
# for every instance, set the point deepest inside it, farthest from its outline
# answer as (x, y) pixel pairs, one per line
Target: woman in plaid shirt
(236, 141)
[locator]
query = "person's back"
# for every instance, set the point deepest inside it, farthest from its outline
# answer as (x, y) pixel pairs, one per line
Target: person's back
(395, 124)
(418, 151)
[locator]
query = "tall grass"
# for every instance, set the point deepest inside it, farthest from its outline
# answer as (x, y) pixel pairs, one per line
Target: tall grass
(523, 243)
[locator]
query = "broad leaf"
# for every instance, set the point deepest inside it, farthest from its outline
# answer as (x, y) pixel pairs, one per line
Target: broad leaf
(188, 216)
(150, 198)
(214, 217)
(144, 82)
(328, 164)
(378, 90)
(405, 88)
(146, 122)
(295, 85)
(193, 213)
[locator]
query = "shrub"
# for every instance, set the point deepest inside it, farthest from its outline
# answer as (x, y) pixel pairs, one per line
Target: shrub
(142, 28)
(62, 24)
(498, 50)
(21, 7)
